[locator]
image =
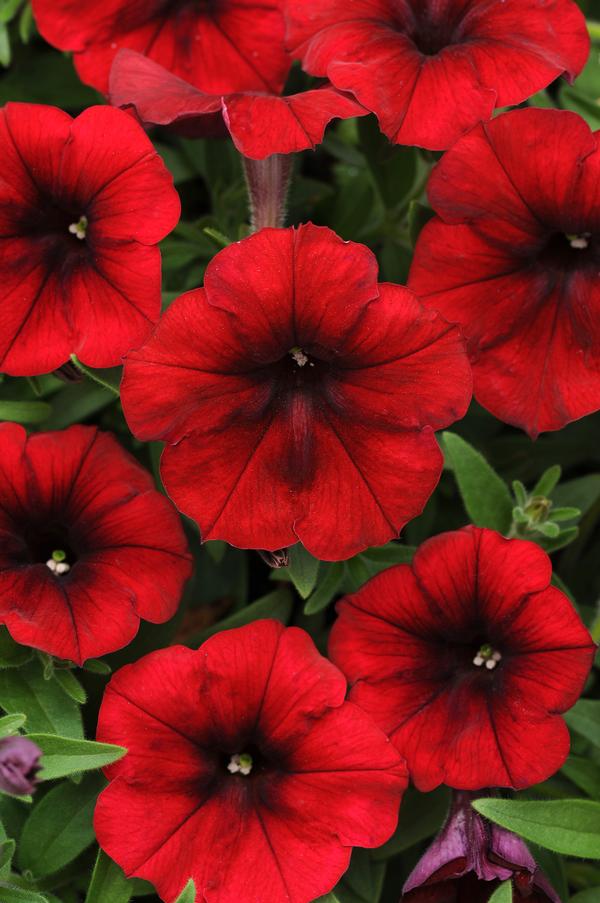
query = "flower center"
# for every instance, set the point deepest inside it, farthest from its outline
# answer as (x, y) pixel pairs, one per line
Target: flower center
(579, 242)
(300, 358)
(79, 230)
(58, 563)
(487, 656)
(240, 763)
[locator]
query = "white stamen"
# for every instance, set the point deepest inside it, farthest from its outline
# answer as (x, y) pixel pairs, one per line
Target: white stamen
(58, 567)
(240, 764)
(488, 657)
(580, 242)
(79, 229)
(299, 356)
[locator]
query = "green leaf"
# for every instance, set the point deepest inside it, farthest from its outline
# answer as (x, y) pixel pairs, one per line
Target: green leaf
(502, 894)
(561, 514)
(584, 773)
(589, 895)
(188, 894)
(59, 827)
(12, 724)
(67, 680)
(363, 882)
(7, 851)
(11, 894)
(64, 756)
(326, 589)
(485, 495)
(421, 816)
(584, 718)
(25, 411)
(418, 217)
(520, 493)
(278, 604)
(108, 884)
(97, 666)
(12, 655)
(9, 9)
(49, 711)
(564, 539)
(571, 827)
(303, 570)
(5, 51)
(548, 481)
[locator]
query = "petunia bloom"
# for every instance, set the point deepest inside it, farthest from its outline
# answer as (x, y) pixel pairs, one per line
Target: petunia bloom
(87, 544)
(432, 69)
(259, 777)
(231, 45)
(19, 765)
(261, 123)
(470, 858)
(466, 659)
(297, 396)
(514, 256)
(82, 205)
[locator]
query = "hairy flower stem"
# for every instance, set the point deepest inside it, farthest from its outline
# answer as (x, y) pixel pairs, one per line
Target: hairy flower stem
(94, 377)
(268, 183)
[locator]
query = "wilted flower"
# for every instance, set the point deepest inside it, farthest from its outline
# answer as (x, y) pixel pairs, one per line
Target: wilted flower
(19, 765)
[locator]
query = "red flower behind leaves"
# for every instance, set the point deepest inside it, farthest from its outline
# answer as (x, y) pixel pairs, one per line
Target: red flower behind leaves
(87, 545)
(466, 660)
(217, 45)
(432, 69)
(513, 256)
(298, 397)
(82, 205)
(260, 123)
(259, 776)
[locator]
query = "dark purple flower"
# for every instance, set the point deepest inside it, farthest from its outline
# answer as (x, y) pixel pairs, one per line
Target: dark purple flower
(19, 765)
(469, 859)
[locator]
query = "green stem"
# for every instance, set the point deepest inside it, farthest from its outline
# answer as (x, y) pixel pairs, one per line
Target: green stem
(594, 30)
(94, 377)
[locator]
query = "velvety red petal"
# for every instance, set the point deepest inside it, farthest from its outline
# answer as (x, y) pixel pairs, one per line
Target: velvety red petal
(518, 48)
(262, 125)
(238, 46)
(83, 616)
(158, 96)
(528, 166)
(445, 85)
(476, 572)
(36, 327)
(359, 498)
(127, 195)
(555, 652)
(391, 360)
(206, 366)
(114, 301)
(286, 286)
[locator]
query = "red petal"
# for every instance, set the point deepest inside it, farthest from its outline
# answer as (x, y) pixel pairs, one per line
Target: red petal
(237, 47)
(262, 125)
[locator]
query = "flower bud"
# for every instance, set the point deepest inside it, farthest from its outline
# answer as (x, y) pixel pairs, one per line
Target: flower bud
(469, 859)
(19, 765)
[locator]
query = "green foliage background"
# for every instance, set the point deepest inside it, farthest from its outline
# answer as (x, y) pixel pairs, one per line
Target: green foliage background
(367, 191)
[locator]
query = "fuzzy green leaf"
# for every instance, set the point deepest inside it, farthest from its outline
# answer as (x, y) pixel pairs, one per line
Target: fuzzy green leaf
(108, 884)
(502, 894)
(326, 588)
(59, 827)
(584, 718)
(571, 827)
(63, 756)
(25, 411)
(485, 495)
(303, 569)
(188, 894)
(48, 710)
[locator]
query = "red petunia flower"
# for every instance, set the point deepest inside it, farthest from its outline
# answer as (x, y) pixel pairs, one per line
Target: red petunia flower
(260, 123)
(466, 658)
(218, 45)
(87, 545)
(82, 204)
(514, 257)
(468, 860)
(259, 776)
(432, 69)
(297, 396)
